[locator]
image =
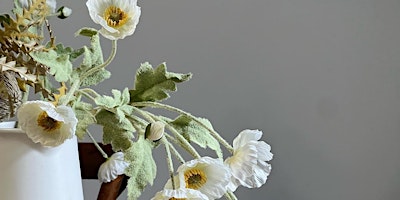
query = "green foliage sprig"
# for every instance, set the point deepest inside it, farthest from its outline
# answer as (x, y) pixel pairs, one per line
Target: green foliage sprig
(63, 76)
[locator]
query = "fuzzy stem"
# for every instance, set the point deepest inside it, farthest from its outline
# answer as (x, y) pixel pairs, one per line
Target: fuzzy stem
(87, 95)
(184, 143)
(174, 151)
(70, 93)
(97, 145)
(170, 108)
(169, 161)
(232, 195)
(90, 91)
(75, 85)
(227, 196)
(103, 65)
(145, 114)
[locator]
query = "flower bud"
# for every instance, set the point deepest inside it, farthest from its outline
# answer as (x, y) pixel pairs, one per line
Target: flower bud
(64, 12)
(155, 130)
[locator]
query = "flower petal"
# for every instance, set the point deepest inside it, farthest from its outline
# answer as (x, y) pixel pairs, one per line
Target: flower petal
(248, 162)
(181, 193)
(112, 168)
(98, 13)
(50, 129)
(216, 176)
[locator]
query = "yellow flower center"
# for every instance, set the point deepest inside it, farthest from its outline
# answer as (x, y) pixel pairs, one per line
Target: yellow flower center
(173, 198)
(195, 178)
(115, 17)
(47, 123)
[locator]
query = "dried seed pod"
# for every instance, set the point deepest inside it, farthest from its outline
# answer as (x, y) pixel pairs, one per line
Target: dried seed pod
(10, 95)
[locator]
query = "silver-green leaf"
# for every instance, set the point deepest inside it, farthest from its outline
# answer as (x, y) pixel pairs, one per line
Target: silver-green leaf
(116, 131)
(142, 169)
(194, 132)
(153, 84)
(59, 64)
(85, 118)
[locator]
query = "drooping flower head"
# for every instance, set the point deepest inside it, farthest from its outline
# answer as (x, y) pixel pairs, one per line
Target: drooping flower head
(46, 124)
(112, 168)
(181, 193)
(249, 160)
(118, 18)
(207, 175)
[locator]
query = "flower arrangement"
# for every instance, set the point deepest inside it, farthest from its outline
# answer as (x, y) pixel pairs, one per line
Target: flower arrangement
(32, 60)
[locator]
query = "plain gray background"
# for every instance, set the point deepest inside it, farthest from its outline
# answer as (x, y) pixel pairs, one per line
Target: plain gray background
(320, 78)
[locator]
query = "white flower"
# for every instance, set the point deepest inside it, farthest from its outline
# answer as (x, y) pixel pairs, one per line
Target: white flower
(112, 168)
(249, 161)
(181, 193)
(46, 124)
(118, 18)
(156, 131)
(50, 3)
(207, 175)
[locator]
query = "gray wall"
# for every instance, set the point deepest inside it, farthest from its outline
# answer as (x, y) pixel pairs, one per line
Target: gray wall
(319, 77)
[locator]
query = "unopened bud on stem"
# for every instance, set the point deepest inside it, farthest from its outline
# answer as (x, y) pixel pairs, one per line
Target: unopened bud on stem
(64, 12)
(155, 130)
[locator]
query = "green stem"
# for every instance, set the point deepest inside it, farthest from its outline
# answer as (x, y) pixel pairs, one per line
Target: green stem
(174, 151)
(183, 142)
(135, 121)
(103, 65)
(87, 95)
(170, 108)
(90, 91)
(75, 85)
(97, 145)
(228, 196)
(141, 121)
(145, 114)
(176, 154)
(232, 195)
(169, 161)
(70, 93)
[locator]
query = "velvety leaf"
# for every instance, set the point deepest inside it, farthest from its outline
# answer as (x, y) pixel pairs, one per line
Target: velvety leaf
(85, 118)
(142, 169)
(59, 64)
(118, 99)
(117, 132)
(153, 84)
(105, 101)
(88, 32)
(196, 133)
(92, 57)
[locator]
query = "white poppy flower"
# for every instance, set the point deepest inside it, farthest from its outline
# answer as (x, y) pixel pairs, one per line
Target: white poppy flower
(249, 161)
(207, 175)
(181, 193)
(118, 18)
(112, 168)
(50, 3)
(46, 124)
